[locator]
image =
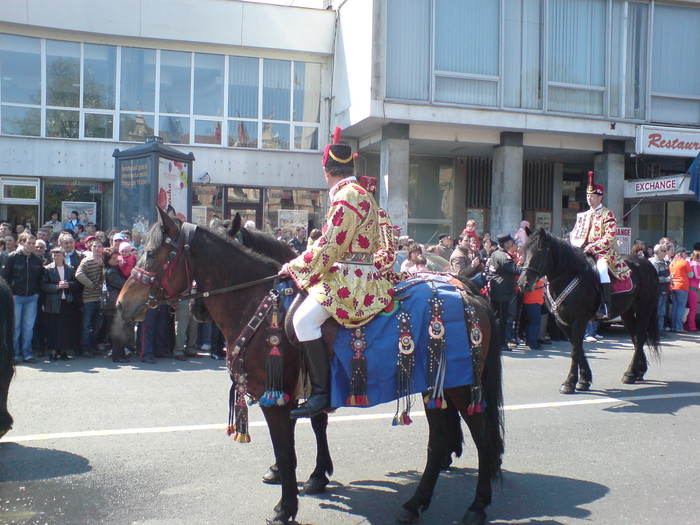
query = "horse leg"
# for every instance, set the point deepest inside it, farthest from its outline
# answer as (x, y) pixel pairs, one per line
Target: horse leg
(585, 376)
(567, 387)
(318, 480)
(438, 420)
(638, 332)
(281, 429)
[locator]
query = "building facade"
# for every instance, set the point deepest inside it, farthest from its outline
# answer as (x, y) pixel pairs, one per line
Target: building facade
(486, 109)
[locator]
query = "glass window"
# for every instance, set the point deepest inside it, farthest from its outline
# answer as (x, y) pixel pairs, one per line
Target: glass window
(307, 92)
(243, 87)
(408, 49)
(135, 128)
(62, 74)
(175, 69)
(20, 60)
(276, 90)
(305, 138)
(20, 121)
(138, 79)
(522, 40)
(207, 132)
(208, 84)
(99, 126)
(18, 191)
(175, 130)
(99, 76)
(57, 191)
(629, 60)
(430, 197)
(275, 136)
(242, 134)
(466, 91)
(62, 123)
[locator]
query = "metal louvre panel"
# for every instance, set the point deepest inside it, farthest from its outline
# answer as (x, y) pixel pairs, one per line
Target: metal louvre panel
(538, 179)
(478, 182)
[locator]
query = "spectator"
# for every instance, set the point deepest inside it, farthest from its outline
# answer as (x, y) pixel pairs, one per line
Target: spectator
(3, 253)
(114, 281)
(680, 284)
(59, 286)
(10, 243)
(102, 236)
(91, 228)
(54, 221)
(90, 275)
(5, 229)
(22, 271)
(591, 335)
(470, 229)
(693, 291)
(127, 261)
(413, 251)
(465, 261)
(137, 242)
(532, 304)
(126, 234)
(420, 264)
(298, 242)
(503, 272)
(639, 250)
(116, 240)
(153, 334)
(445, 246)
(664, 274)
(19, 230)
(44, 234)
(185, 332)
(313, 236)
(72, 222)
(73, 257)
(523, 233)
(40, 250)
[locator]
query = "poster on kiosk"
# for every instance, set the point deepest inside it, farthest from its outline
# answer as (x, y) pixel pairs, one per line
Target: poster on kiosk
(151, 175)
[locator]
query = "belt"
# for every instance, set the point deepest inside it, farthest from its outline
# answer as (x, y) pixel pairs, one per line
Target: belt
(354, 258)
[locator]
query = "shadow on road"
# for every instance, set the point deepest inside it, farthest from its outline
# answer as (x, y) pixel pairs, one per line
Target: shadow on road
(23, 464)
(525, 497)
(664, 405)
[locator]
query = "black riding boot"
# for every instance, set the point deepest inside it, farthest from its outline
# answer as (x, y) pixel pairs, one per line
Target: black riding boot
(606, 307)
(319, 373)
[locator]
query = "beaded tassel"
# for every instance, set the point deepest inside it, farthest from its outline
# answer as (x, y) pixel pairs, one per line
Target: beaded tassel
(436, 355)
(405, 366)
(274, 365)
(358, 371)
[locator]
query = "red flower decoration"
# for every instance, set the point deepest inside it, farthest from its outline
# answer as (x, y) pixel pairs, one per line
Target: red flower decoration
(358, 272)
(340, 238)
(363, 241)
(322, 242)
(343, 292)
(314, 278)
(308, 256)
(364, 205)
(338, 217)
(369, 299)
(341, 314)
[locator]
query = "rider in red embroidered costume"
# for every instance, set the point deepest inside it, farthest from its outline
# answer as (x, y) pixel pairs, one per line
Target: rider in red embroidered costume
(595, 234)
(347, 272)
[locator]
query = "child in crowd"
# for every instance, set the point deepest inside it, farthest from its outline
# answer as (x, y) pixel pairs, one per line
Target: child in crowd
(420, 264)
(127, 260)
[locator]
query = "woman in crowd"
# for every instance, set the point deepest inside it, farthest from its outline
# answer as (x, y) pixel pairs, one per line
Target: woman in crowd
(115, 281)
(693, 291)
(59, 285)
(680, 277)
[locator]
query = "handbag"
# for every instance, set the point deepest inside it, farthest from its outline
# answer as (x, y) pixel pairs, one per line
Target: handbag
(105, 303)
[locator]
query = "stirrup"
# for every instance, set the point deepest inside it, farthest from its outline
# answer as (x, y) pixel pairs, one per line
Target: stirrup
(603, 312)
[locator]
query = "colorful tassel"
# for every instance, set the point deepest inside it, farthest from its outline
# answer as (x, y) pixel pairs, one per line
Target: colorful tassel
(358, 371)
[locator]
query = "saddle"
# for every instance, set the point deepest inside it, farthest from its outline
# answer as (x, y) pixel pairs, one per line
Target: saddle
(618, 286)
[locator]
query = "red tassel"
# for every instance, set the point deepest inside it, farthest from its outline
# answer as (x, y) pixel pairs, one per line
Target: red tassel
(590, 178)
(336, 135)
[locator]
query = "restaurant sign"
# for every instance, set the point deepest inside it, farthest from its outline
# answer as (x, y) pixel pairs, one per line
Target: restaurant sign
(670, 142)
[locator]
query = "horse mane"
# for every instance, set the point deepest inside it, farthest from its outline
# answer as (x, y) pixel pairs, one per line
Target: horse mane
(262, 242)
(566, 258)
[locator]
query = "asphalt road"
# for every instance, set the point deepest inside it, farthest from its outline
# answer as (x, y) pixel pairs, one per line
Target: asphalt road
(144, 444)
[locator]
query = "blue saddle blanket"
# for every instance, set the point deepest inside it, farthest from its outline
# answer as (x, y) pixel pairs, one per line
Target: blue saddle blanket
(382, 349)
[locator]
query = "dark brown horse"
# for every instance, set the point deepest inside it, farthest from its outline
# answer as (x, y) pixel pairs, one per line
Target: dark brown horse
(573, 285)
(7, 352)
(174, 256)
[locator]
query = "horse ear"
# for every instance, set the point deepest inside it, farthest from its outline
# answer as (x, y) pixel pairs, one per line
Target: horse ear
(167, 222)
(235, 225)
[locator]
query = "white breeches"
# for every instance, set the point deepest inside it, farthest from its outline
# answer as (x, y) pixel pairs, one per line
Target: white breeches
(308, 319)
(603, 270)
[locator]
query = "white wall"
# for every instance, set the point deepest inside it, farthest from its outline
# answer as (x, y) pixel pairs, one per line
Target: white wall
(225, 22)
(93, 160)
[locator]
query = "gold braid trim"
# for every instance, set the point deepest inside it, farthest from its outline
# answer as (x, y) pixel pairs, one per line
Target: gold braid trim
(337, 159)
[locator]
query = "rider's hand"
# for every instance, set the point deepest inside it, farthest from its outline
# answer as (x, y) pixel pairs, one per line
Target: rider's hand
(284, 271)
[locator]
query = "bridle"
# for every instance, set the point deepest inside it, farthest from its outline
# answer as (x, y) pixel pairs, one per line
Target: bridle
(539, 272)
(161, 279)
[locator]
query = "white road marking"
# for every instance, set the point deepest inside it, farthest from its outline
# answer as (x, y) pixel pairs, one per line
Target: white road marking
(334, 419)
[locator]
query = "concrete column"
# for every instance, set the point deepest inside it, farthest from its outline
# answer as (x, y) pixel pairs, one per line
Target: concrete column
(459, 214)
(557, 192)
(393, 183)
(609, 170)
(507, 184)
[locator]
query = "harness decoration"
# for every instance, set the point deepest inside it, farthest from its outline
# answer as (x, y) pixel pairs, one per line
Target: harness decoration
(406, 363)
(274, 362)
(358, 370)
(436, 355)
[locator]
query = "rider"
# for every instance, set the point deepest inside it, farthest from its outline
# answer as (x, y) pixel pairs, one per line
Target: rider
(595, 234)
(346, 272)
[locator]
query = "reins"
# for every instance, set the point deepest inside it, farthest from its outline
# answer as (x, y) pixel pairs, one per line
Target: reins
(218, 291)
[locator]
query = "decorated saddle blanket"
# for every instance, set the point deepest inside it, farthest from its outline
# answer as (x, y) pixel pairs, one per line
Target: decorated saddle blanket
(421, 345)
(622, 286)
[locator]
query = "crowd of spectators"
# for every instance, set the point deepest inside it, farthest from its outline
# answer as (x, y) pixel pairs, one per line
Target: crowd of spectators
(65, 280)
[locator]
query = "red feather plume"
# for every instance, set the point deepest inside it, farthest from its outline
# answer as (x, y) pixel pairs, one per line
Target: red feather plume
(336, 135)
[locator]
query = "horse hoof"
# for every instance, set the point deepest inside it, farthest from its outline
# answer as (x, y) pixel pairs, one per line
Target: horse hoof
(583, 386)
(315, 486)
(473, 517)
(406, 516)
(281, 517)
(272, 476)
(566, 389)
(629, 379)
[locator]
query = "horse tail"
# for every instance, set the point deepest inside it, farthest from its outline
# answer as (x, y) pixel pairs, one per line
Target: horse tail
(653, 334)
(7, 352)
(492, 386)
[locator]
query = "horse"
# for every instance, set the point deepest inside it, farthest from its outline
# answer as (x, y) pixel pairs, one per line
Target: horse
(175, 255)
(574, 298)
(7, 352)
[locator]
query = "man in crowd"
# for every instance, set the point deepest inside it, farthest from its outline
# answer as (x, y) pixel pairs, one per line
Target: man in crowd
(595, 234)
(661, 266)
(503, 273)
(43, 234)
(91, 276)
(10, 242)
(22, 271)
(445, 246)
(465, 260)
(344, 272)
(298, 242)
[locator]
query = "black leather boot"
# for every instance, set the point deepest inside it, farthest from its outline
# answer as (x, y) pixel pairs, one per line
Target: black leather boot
(319, 373)
(606, 307)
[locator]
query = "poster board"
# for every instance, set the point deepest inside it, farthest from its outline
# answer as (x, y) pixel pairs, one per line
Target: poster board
(199, 215)
(87, 211)
(290, 220)
(173, 190)
(623, 236)
(543, 219)
(478, 215)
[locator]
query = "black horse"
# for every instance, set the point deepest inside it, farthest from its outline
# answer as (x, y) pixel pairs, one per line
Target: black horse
(7, 352)
(575, 289)
(176, 255)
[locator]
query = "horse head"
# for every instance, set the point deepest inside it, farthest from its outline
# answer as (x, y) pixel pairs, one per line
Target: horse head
(162, 272)
(538, 260)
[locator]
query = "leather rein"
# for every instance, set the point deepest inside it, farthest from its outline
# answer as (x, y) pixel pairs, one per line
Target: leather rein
(160, 280)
